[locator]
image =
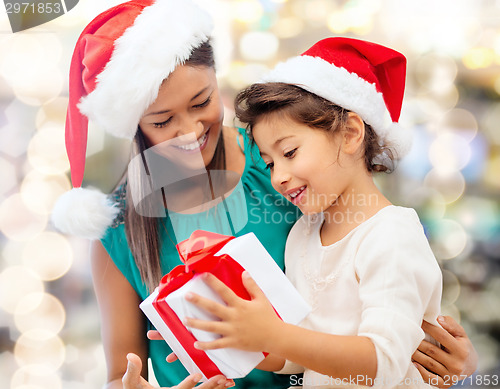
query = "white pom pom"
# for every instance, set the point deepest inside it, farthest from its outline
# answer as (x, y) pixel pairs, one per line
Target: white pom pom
(86, 213)
(398, 139)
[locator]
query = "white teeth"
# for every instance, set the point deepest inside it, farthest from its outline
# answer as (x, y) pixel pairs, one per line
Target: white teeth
(294, 194)
(193, 146)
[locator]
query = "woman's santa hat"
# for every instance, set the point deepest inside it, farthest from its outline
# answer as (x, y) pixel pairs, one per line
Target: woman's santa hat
(118, 65)
(363, 77)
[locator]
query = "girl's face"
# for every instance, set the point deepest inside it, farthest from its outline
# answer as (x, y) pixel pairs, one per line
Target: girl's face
(188, 112)
(304, 162)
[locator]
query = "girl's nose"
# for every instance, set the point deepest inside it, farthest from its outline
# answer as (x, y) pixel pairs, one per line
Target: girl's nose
(279, 177)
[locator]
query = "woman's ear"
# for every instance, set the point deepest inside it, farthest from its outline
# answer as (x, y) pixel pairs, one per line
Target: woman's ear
(353, 135)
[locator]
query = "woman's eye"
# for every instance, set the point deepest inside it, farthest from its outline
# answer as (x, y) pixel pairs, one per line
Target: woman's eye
(269, 165)
(204, 104)
(290, 154)
(162, 124)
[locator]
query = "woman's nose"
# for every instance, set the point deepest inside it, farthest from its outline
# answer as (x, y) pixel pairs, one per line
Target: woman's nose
(189, 125)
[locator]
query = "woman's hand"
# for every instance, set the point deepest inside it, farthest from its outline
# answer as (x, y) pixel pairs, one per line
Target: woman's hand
(133, 379)
(453, 362)
(244, 324)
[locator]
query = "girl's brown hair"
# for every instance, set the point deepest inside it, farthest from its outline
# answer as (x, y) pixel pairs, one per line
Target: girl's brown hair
(301, 106)
(142, 231)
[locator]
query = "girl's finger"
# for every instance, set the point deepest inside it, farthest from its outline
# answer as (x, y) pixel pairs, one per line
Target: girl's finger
(214, 345)
(216, 327)
(208, 305)
(251, 286)
(221, 288)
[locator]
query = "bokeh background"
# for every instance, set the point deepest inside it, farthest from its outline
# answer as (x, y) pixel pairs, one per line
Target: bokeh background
(49, 325)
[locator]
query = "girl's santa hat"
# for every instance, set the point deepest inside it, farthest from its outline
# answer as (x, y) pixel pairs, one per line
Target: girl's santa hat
(363, 77)
(119, 62)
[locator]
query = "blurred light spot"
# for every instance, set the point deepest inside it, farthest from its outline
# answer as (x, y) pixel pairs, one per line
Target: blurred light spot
(490, 123)
(492, 171)
(35, 376)
(49, 255)
(30, 66)
(47, 152)
(9, 179)
(39, 347)
(288, 27)
(17, 221)
(246, 11)
(479, 216)
(53, 111)
(16, 134)
(15, 283)
(451, 185)
(416, 164)
(435, 72)
(429, 202)
(353, 19)
(451, 288)
(40, 191)
(461, 122)
(43, 312)
(448, 238)
(451, 310)
(258, 46)
(478, 57)
(242, 75)
(449, 152)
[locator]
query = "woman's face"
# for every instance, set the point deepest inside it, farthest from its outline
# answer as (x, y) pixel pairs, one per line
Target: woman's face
(187, 113)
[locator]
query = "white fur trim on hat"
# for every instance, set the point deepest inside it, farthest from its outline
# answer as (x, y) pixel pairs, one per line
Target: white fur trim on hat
(162, 37)
(337, 85)
(86, 213)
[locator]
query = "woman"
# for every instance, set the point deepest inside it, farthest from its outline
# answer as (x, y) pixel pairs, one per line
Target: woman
(144, 70)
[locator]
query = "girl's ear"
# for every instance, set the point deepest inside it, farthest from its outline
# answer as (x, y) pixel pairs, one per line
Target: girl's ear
(353, 134)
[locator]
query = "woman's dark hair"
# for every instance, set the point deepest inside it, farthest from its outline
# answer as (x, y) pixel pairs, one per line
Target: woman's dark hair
(143, 232)
(301, 106)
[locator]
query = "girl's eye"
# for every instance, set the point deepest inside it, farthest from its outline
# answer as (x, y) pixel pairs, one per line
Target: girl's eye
(290, 154)
(204, 104)
(269, 165)
(162, 124)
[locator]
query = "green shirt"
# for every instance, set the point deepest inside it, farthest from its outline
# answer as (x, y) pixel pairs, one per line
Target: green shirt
(268, 215)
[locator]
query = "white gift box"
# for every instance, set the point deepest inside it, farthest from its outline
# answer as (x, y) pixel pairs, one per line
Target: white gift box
(253, 257)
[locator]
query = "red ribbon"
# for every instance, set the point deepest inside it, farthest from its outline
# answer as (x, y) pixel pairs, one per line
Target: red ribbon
(198, 254)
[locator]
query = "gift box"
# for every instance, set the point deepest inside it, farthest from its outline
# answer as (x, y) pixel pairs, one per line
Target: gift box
(225, 257)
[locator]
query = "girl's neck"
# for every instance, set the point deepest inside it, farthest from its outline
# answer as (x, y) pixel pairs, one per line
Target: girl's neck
(354, 206)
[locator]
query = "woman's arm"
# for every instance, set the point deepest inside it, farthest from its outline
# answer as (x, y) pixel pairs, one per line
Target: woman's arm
(254, 326)
(455, 360)
(123, 326)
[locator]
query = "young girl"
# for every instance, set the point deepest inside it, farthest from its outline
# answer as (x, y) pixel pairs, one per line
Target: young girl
(363, 264)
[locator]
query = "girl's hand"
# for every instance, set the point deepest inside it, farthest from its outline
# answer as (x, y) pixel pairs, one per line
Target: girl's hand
(453, 362)
(245, 325)
(155, 335)
(133, 379)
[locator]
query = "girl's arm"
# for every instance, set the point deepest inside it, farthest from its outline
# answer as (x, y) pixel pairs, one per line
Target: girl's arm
(455, 360)
(254, 326)
(123, 329)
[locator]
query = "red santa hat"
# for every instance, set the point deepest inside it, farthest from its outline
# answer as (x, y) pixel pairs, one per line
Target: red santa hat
(119, 62)
(363, 77)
